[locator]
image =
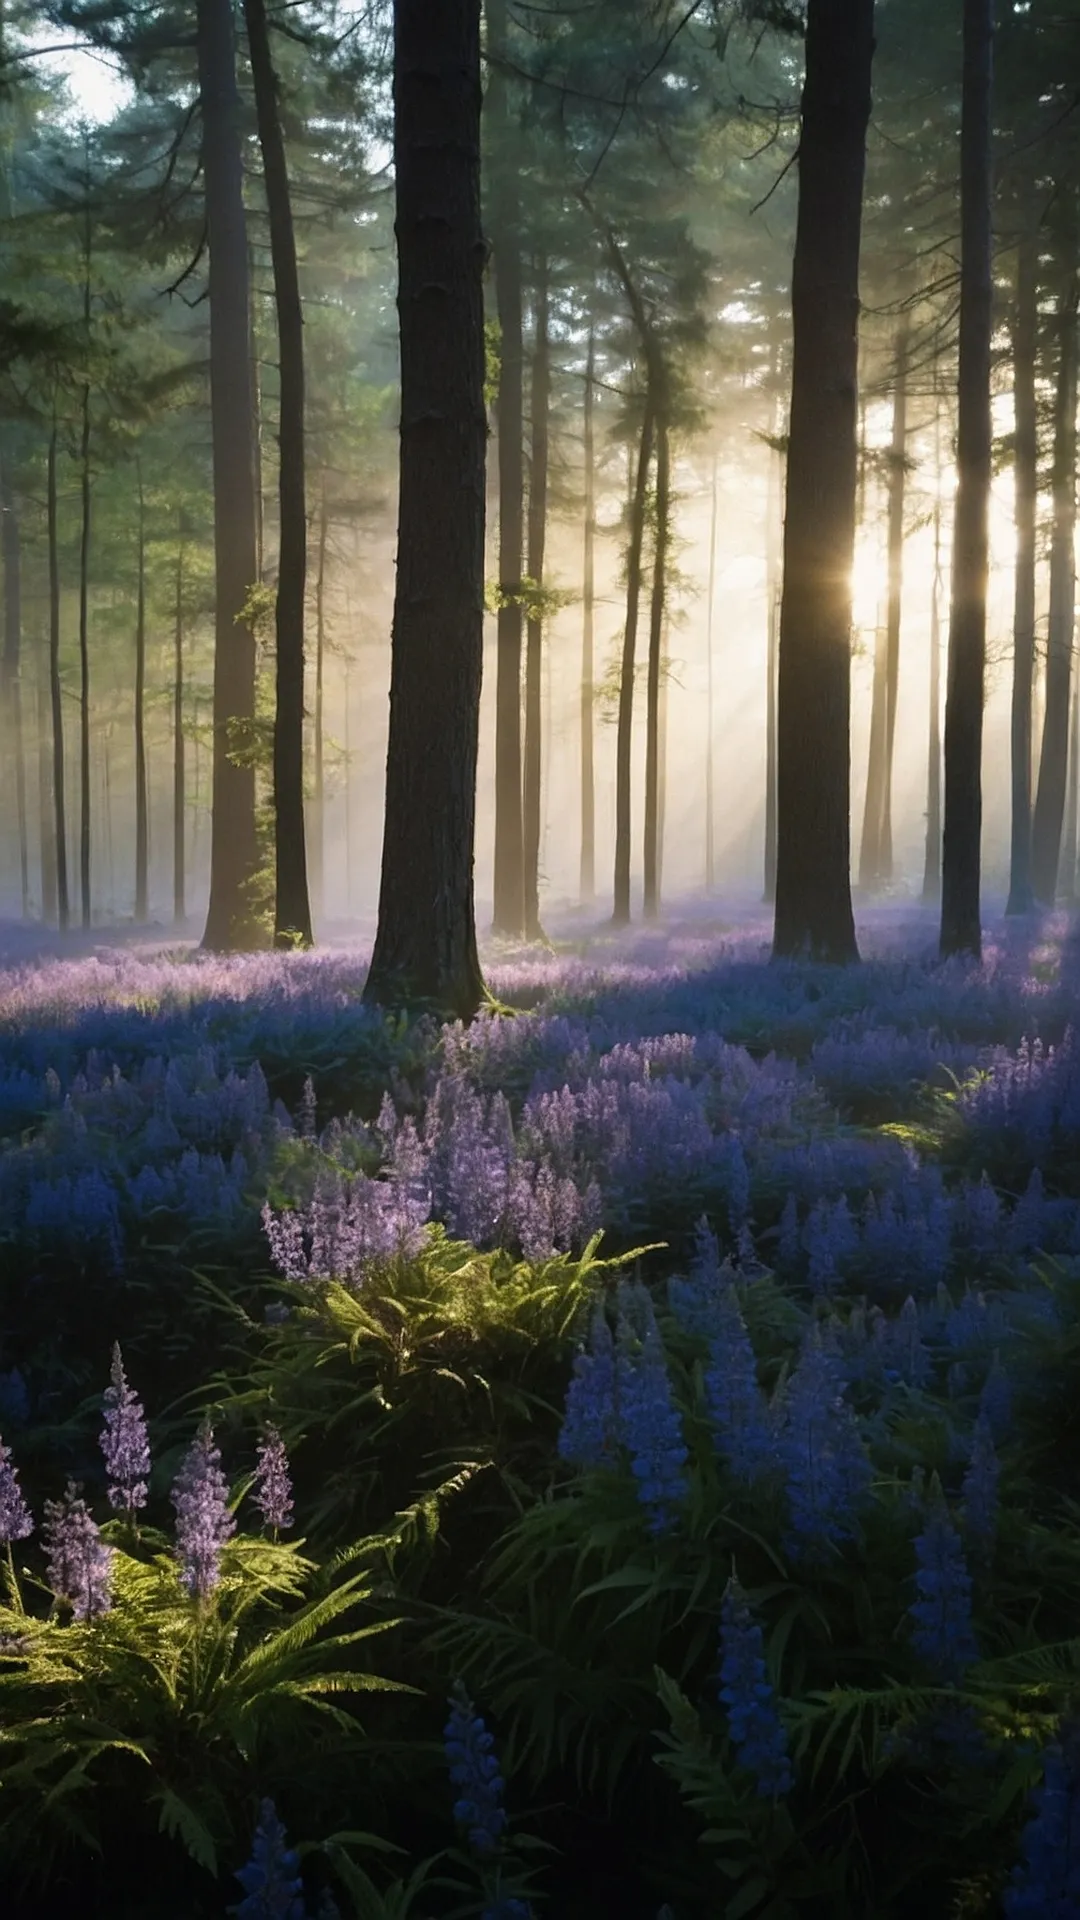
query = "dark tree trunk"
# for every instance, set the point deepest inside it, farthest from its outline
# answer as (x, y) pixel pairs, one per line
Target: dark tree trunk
(179, 770)
(813, 880)
(425, 947)
(1050, 795)
(63, 904)
(773, 585)
(897, 500)
(11, 662)
(961, 930)
(318, 820)
(651, 899)
(46, 813)
(624, 735)
(254, 362)
(588, 616)
(231, 920)
(505, 230)
(1026, 468)
(1072, 796)
(931, 887)
(539, 409)
(84, 665)
(710, 721)
(142, 829)
(292, 909)
(873, 806)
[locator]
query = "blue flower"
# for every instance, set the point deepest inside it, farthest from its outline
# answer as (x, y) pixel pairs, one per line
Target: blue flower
(273, 1484)
(15, 1520)
(757, 1733)
(474, 1771)
(79, 1566)
(649, 1423)
(828, 1472)
(125, 1442)
(271, 1883)
(981, 1487)
(1046, 1884)
(589, 1437)
(203, 1522)
(943, 1634)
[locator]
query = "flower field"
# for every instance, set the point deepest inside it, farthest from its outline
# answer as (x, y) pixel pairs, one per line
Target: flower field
(616, 1458)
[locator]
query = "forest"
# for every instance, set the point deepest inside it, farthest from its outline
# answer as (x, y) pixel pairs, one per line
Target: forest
(539, 959)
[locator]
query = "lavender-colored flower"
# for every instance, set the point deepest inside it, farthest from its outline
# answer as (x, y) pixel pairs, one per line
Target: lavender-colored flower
(588, 1437)
(474, 1771)
(737, 1409)
(79, 1565)
(273, 1484)
(203, 1522)
(649, 1423)
(125, 1442)
(828, 1472)
(943, 1634)
(757, 1733)
(272, 1886)
(1046, 1884)
(981, 1487)
(15, 1520)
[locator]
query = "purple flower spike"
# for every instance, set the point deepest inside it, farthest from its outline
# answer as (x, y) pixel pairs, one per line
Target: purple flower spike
(79, 1565)
(15, 1520)
(273, 1483)
(203, 1522)
(125, 1442)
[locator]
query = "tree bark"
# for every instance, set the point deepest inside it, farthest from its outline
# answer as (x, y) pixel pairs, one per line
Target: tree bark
(231, 921)
(11, 662)
(624, 734)
(897, 502)
(46, 814)
(710, 723)
(318, 811)
(1026, 469)
(505, 226)
(588, 617)
(1072, 796)
(539, 409)
(931, 887)
(651, 897)
(961, 930)
(813, 880)
(84, 661)
(63, 905)
(142, 832)
(425, 947)
(773, 587)
(179, 770)
(292, 908)
(873, 805)
(1049, 811)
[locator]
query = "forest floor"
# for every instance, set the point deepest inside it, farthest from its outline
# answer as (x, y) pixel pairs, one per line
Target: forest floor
(693, 1264)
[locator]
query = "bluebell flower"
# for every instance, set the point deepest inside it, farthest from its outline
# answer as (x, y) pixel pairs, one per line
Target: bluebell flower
(981, 1487)
(943, 1635)
(737, 1406)
(995, 1400)
(272, 1886)
(273, 1484)
(474, 1771)
(15, 1520)
(125, 1442)
(757, 1733)
(1046, 1883)
(826, 1465)
(78, 1564)
(649, 1424)
(203, 1522)
(588, 1437)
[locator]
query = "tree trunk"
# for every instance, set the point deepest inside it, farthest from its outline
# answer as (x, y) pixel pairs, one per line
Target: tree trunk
(588, 616)
(961, 930)
(318, 811)
(179, 794)
(897, 501)
(142, 833)
(539, 408)
(624, 734)
(813, 880)
(1072, 796)
(230, 922)
(292, 909)
(1026, 470)
(710, 723)
(425, 947)
(84, 665)
(11, 662)
(505, 230)
(46, 814)
(873, 805)
(651, 900)
(773, 585)
(256, 410)
(1050, 795)
(63, 905)
(931, 887)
